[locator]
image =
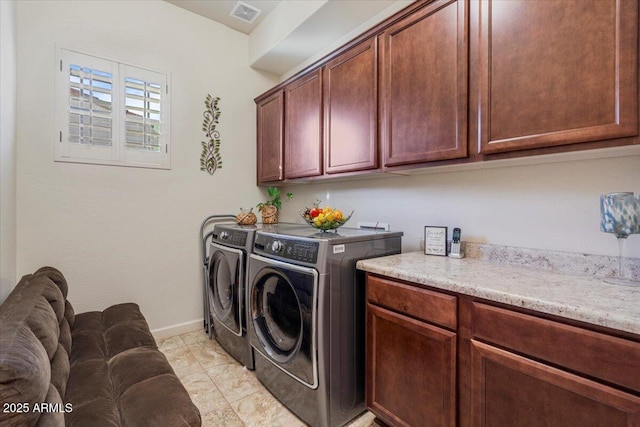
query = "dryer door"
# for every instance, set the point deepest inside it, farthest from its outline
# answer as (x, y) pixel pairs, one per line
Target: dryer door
(283, 310)
(226, 282)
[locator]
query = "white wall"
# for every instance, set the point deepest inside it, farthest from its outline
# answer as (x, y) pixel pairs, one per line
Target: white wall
(551, 206)
(7, 147)
(336, 44)
(281, 22)
(127, 234)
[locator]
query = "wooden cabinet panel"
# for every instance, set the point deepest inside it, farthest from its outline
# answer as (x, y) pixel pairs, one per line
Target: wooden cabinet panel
(601, 356)
(303, 127)
(434, 307)
(423, 85)
(351, 119)
(556, 72)
(510, 390)
(411, 370)
(270, 138)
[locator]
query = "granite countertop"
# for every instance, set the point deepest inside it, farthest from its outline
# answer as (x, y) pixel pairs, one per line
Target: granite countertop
(578, 297)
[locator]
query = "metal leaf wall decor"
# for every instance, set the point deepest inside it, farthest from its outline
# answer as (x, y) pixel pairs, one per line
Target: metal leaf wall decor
(210, 159)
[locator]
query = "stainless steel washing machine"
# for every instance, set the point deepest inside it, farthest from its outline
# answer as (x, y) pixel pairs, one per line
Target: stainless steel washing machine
(306, 307)
(230, 247)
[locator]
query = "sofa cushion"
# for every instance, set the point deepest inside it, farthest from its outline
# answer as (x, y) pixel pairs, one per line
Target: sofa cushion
(24, 373)
(43, 323)
(99, 413)
(158, 401)
(52, 412)
(65, 336)
(60, 370)
(28, 342)
(87, 338)
(56, 277)
(136, 365)
(69, 313)
(125, 328)
(59, 280)
(90, 393)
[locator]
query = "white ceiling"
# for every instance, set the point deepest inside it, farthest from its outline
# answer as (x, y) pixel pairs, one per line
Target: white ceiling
(331, 22)
(219, 11)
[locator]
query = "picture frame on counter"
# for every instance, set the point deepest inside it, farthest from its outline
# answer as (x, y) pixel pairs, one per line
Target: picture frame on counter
(435, 240)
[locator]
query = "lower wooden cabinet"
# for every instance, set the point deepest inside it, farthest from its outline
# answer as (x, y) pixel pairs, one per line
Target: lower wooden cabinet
(527, 371)
(412, 370)
(512, 390)
(441, 359)
(411, 364)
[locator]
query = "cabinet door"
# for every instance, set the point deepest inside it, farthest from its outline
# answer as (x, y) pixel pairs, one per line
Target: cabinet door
(270, 142)
(593, 354)
(303, 127)
(350, 96)
(510, 390)
(411, 370)
(423, 95)
(556, 72)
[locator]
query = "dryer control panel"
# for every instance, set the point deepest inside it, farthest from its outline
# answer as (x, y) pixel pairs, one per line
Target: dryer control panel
(291, 249)
(231, 237)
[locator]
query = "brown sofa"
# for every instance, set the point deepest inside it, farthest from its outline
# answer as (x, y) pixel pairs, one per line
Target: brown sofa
(92, 369)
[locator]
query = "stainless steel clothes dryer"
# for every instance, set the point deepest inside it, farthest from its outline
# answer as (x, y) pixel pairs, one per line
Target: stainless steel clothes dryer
(227, 282)
(206, 231)
(306, 304)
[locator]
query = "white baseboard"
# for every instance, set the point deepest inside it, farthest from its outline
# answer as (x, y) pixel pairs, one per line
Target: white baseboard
(179, 329)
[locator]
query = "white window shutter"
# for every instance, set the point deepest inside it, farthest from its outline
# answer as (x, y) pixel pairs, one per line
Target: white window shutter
(145, 115)
(86, 107)
(108, 112)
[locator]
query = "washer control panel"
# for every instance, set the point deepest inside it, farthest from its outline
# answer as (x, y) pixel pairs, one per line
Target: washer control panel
(292, 249)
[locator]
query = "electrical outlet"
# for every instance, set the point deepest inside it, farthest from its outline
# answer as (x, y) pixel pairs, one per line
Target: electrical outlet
(368, 225)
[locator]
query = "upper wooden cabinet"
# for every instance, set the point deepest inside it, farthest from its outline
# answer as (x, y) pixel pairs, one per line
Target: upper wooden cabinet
(459, 81)
(350, 110)
(555, 72)
(270, 138)
(423, 85)
(330, 120)
(303, 126)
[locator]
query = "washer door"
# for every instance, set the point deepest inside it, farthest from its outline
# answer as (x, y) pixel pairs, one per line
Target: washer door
(226, 278)
(283, 311)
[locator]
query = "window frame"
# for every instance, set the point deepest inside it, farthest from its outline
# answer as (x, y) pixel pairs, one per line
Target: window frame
(117, 154)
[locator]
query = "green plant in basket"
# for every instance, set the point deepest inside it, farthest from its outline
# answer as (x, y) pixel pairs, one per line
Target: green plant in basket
(269, 209)
(274, 193)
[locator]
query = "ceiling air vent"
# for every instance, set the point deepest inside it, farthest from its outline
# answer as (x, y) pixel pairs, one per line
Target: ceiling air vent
(245, 12)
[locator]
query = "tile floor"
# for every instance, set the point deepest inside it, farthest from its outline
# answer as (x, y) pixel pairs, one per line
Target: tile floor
(227, 394)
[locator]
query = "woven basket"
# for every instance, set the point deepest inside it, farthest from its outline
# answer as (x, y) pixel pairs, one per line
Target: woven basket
(269, 214)
(246, 217)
